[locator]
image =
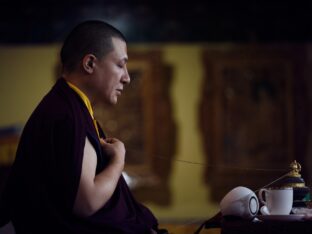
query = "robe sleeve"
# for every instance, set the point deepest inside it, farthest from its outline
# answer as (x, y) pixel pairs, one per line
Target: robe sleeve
(67, 142)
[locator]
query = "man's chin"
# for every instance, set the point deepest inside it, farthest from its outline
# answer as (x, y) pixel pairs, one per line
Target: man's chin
(110, 103)
(114, 100)
(105, 101)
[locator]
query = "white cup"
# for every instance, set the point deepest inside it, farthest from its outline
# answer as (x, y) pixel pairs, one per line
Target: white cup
(277, 201)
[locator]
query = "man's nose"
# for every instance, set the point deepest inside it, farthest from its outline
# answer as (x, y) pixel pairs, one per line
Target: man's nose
(126, 77)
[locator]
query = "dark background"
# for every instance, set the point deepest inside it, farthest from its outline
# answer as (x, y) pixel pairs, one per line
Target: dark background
(160, 21)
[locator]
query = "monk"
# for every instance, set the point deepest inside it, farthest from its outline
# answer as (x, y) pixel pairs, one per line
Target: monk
(67, 176)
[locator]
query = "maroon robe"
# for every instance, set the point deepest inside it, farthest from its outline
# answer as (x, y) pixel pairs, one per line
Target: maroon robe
(44, 179)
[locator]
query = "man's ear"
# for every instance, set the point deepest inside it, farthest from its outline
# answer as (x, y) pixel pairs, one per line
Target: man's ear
(88, 63)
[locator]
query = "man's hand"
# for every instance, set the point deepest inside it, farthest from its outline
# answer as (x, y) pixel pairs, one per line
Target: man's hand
(115, 149)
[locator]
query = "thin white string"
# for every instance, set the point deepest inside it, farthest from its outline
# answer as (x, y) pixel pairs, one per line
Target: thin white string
(267, 185)
(222, 166)
(211, 166)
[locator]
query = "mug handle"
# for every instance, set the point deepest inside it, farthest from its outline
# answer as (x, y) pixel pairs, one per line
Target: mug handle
(261, 195)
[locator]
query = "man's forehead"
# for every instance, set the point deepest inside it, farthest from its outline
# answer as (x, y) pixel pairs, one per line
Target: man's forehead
(120, 48)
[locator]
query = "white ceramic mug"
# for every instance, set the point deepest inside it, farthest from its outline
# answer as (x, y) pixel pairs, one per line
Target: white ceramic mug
(277, 201)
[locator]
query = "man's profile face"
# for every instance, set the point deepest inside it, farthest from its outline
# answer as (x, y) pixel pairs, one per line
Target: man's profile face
(111, 73)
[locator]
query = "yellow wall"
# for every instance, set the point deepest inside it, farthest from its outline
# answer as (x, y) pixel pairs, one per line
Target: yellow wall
(190, 195)
(27, 73)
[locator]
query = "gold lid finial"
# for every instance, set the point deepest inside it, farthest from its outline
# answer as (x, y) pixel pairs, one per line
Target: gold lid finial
(295, 169)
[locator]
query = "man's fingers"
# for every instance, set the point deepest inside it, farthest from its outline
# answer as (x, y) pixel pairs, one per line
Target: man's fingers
(111, 140)
(108, 140)
(102, 141)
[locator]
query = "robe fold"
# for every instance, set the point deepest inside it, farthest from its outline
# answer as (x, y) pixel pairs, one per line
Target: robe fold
(44, 179)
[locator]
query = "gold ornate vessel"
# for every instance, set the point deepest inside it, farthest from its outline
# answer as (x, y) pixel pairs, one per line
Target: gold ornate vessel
(293, 179)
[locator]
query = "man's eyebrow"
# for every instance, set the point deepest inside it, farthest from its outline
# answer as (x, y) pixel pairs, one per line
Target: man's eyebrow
(124, 60)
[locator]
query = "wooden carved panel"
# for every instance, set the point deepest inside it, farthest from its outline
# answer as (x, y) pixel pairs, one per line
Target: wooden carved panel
(142, 119)
(247, 116)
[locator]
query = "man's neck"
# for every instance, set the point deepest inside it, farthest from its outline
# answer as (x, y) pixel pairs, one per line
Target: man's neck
(80, 82)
